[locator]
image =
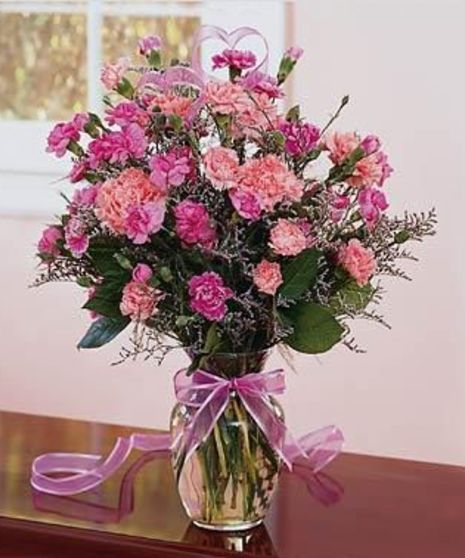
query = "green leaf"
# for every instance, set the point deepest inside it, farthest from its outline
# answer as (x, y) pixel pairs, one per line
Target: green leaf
(102, 331)
(123, 261)
(85, 282)
(352, 296)
(401, 237)
(299, 274)
(316, 330)
(154, 59)
(293, 114)
(125, 88)
(104, 307)
(176, 122)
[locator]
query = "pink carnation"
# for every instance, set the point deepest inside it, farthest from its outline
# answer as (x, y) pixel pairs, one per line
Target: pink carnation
(76, 237)
(80, 120)
(139, 301)
(193, 224)
(294, 53)
(141, 273)
(48, 241)
(339, 206)
(358, 261)
(78, 171)
(112, 74)
(143, 220)
(170, 103)
(300, 137)
(259, 114)
(117, 196)
(386, 169)
(125, 113)
(262, 83)
(61, 136)
(85, 197)
(225, 97)
(341, 145)
(169, 169)
(233, 58)
(370, 144)
(118, 147)
(372, 204)
(287, 238)
(267, 277)
(247, 204)
(270, 180)
(367, 172)
(221, 166)
(149, 43)
(208, 295)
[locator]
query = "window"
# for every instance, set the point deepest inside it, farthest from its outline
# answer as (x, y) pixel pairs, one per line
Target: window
(50, 58)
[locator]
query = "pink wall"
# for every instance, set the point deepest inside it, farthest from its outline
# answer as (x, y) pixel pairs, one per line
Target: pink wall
(399, 61)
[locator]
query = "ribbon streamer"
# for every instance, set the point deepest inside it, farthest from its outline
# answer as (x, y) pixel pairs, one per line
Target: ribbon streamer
(209, 395)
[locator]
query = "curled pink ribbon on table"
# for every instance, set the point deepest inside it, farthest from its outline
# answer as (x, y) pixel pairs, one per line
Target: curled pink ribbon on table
(209, 395)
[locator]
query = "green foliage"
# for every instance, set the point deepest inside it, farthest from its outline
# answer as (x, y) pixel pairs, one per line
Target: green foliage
(125, 88)
(299, 274)
(352, 296)
(102, 331)
(315, 329)
(293, 114)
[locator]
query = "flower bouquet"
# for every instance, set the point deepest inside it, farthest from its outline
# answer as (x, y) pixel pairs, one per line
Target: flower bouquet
(202, 222)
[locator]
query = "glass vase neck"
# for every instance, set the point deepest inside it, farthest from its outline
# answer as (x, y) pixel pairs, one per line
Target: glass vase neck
(232, 365)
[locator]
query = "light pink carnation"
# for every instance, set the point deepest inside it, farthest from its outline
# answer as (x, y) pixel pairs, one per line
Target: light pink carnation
(125, 113)
(77, 240)
(84, 197)
(262, 83)
(341, 145)
(112, 74)
(117, 196)
(359, 261)
(267, 277)
(386, 169)
(294, 53)
(270, 180)
(169, 169)
(142, 220)
(141, 273)
(221, 166)
(170, 103)
(225, 97)
(247, 204)
(367, 172)
(48, 241)
(233, 58)
(259, 114)
(193, 224)
(139, 301)
(208, 295)
(287, 238)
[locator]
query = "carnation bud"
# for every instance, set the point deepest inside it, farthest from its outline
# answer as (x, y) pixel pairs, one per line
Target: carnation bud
(370, 144)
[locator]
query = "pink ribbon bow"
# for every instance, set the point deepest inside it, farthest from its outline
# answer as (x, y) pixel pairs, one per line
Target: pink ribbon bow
(209, 395)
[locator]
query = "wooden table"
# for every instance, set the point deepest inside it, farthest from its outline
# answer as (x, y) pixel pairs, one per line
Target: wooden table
(390, 508)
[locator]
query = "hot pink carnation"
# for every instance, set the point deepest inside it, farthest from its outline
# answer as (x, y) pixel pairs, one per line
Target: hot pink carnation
(270, 180)
(125, 113)
(233, 58)
(359, 261)
(300, 137)
(341, 145)
(61, 136)
(247, 204)
(77, 240)
(117, 196)
(169, 169)
(221, 166)
(287, 238)
(208, 295)
(262, 83)
(149, 43)
(112, 74)
(78, 171)
(145, 219)
(372, 203)
(48, 241)
(118, 147)
(139, 301)
(267, 277)
(386, 169)
(193, 224)
(141, 273)
(339, 206)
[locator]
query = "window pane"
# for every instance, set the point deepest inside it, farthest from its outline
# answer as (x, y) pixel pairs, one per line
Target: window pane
(121, 33)
(43, 65)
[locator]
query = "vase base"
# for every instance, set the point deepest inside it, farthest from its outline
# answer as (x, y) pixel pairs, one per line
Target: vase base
(233, 527)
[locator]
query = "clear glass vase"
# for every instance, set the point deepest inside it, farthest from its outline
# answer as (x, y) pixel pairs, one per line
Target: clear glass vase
(228, 483)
